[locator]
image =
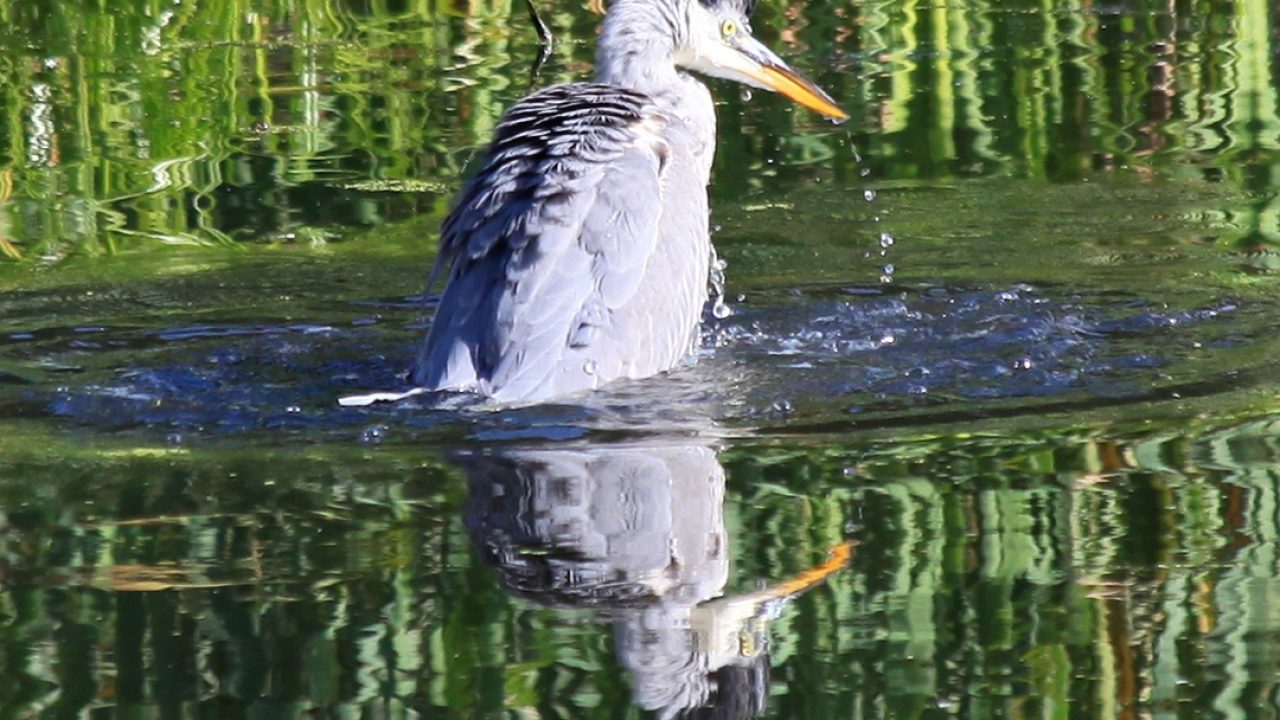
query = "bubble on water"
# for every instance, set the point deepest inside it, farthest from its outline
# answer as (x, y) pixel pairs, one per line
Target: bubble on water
(869, 194)
(721, 310)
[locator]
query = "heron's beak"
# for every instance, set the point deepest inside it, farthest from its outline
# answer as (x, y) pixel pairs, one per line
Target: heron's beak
(748, 60)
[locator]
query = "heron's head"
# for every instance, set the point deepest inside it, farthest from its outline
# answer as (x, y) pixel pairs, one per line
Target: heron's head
(712, 37)
(719, 43)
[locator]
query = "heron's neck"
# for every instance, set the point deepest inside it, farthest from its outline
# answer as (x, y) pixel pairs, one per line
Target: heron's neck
(637, 46)
(637, 51)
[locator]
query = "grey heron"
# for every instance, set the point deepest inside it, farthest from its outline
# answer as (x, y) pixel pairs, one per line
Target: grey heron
(636, 530)
(580, 252)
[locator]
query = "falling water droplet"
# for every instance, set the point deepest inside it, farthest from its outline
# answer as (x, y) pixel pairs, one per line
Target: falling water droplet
(868, 194)
(589, 367)
(886, 273)
(886, 240)
(746, 94)
(715, 281)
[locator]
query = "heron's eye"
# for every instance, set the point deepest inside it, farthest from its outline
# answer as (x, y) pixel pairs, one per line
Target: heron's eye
(728, 28)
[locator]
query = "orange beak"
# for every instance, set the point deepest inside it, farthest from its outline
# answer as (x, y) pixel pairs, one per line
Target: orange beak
(746, 60)
(791, 84)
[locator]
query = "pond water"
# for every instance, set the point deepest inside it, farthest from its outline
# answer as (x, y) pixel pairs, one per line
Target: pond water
(993, 429)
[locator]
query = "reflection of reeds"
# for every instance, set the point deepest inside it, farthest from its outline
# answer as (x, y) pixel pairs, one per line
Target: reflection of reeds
(1084, 570)
(264, 100)
(6, 191)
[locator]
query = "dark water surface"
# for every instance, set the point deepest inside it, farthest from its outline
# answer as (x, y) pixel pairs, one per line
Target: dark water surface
(993, 429)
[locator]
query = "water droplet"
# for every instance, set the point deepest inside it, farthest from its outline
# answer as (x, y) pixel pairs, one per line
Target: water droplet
(868, 194)
(886, 240)
(783, 405)
(293, 409)
(857, 157)
(373, 434)
(864, 172)
(886, 273)
(1024, 363)
(589, 367)
(715, 281)
(746, 94)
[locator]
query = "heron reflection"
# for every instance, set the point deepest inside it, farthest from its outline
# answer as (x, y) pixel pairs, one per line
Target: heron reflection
(636, 532)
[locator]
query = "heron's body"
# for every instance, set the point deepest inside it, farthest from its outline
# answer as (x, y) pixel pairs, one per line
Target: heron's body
(580, 252)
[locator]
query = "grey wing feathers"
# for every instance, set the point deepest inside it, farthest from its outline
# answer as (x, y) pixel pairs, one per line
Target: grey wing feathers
(545, 240)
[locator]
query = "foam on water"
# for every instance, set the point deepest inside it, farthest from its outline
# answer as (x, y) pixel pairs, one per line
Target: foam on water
(832, 350)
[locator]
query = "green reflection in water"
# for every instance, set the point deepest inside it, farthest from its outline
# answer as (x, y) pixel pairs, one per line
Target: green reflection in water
(996, 577)
(209, 123)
